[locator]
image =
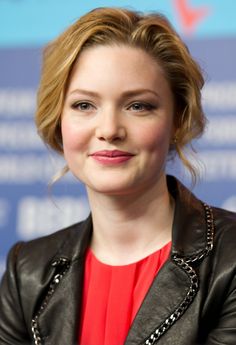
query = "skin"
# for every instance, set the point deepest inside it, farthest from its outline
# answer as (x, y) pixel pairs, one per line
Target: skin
(119, 99)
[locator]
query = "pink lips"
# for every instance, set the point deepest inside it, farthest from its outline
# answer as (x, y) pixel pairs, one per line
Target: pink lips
(111, 157)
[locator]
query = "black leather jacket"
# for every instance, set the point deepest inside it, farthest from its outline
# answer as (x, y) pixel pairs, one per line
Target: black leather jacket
(191, 301)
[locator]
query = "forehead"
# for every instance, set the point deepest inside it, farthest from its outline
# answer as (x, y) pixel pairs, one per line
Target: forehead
(116, 69)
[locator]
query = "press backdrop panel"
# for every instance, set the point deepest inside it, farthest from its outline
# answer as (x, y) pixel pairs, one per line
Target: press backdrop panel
(28, 207)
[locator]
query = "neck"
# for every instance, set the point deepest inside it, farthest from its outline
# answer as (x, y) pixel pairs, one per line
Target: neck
(127, 228)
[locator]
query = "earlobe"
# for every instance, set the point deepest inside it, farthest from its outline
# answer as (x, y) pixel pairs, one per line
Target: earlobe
(173, 144)
(175, 139)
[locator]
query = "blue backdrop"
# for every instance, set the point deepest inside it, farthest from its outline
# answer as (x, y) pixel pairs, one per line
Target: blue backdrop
(28, 208)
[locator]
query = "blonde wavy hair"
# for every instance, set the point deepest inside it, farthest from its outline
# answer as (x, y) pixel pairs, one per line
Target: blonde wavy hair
(111, 26)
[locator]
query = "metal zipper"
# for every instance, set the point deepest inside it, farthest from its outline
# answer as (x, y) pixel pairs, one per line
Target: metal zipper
(62, 265)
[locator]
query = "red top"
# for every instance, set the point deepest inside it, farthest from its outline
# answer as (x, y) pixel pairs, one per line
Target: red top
(112, 296)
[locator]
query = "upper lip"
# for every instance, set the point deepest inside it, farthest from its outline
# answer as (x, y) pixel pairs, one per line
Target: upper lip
(111, 153)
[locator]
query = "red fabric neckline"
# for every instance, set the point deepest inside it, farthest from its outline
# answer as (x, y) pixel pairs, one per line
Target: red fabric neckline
(112, 296)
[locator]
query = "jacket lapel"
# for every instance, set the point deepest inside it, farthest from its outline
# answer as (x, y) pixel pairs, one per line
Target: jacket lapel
(59, 321)
(167, 292)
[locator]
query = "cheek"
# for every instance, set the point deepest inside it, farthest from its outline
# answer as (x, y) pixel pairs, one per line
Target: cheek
(154, 136)
(73, 137)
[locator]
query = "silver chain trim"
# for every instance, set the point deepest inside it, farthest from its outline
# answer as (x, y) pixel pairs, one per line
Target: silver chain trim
(183, 305)
(209, 238)
(52, 287)
(184, 264)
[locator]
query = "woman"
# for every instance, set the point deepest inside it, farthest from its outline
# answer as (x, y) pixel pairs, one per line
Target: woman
(119, 94)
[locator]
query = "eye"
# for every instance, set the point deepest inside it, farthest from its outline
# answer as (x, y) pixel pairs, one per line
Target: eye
(82, 106)
(141, 106)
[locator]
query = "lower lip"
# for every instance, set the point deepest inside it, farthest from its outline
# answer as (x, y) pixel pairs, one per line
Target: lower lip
(111, 160)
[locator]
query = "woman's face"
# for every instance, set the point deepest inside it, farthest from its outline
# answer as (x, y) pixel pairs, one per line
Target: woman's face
(117, 120)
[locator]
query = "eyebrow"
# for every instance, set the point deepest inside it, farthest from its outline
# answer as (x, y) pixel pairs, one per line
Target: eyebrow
(128, 93)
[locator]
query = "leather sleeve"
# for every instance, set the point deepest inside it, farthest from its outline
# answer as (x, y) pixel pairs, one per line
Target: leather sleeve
(13, 329)
(225, 332)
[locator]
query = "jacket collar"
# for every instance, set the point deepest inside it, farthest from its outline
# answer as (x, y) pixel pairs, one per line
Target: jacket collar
(189, 226)
(169, 290)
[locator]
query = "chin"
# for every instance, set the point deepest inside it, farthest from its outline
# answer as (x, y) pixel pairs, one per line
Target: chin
(110, 187)
(109, 190)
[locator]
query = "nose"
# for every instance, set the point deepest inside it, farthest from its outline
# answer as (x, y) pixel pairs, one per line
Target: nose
(110, 127)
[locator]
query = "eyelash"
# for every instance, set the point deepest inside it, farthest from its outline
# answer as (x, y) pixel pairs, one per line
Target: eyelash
(77, 105)
(145, 106)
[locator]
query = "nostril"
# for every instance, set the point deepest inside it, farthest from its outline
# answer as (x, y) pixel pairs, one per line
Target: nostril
(112, 134)
(109, 138)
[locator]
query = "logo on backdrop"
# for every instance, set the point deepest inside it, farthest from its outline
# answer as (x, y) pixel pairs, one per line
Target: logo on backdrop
(190, 16)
